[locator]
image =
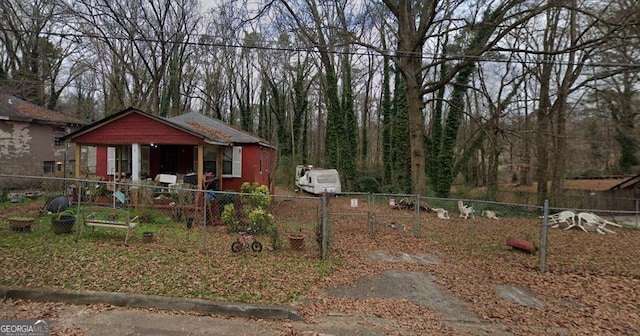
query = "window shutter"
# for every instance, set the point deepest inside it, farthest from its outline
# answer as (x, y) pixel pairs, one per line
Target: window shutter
(111, 160)
(237, 162)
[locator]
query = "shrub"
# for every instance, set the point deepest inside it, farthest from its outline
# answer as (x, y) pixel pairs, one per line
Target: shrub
(261, 221)
(367, 184)
(259, 198)
(274, 235)
(393, 189)
(229, 218)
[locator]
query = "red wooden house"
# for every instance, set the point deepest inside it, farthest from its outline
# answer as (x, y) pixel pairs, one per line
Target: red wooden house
(136, 146)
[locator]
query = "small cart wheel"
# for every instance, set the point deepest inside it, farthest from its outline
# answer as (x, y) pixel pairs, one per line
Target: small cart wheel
(236, 247)
(256, 246)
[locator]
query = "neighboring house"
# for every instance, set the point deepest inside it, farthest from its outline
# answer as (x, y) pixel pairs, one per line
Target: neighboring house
(136, 146)
(31, 138)
(631, 183)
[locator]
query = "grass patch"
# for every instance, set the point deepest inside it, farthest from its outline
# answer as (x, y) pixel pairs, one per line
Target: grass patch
(179, 262)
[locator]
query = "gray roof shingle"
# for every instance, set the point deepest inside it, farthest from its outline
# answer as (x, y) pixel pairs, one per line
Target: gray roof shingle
(215, 129)
(13, 108)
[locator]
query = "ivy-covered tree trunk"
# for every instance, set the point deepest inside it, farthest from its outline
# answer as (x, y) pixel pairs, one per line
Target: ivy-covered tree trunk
(170, 101)
(400, 153)
(334, 132)
(387, 117)
(349, 144)
(620, 103)
(479, 39)
(433, 143)
(246, 117)
(264, 117)
(278, 109)
(300, 93)
(444, 180)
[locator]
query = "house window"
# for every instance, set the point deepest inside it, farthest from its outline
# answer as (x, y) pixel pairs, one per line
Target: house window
(232, 162)
(111, 160)
(118, 160)
(57, 139)
(47, 166)
(210, 160)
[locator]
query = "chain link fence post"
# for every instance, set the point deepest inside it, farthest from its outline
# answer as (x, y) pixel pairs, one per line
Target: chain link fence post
(205, 202)
(637, 213)
(371, 214)
(543, 237)
(325, 226)
(416, 224)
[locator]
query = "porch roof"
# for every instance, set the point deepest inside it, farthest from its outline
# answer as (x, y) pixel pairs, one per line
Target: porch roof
(211, 131)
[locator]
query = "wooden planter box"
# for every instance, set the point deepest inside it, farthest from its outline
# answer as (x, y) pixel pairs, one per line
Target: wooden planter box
(20, 224)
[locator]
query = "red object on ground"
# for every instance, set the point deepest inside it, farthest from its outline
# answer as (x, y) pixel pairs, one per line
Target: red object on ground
(521, 244)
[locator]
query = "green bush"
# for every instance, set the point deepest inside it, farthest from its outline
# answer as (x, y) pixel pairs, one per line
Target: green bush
(259, 198)
(367, 184)
(230, 219)
(392, 189)
(274, 235)
(261, 221)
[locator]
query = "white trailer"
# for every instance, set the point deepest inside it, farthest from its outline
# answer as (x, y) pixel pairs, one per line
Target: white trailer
(317, 180)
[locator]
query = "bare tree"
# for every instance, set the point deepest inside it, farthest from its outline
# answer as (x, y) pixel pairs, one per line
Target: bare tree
(147, 44)
(32, 58)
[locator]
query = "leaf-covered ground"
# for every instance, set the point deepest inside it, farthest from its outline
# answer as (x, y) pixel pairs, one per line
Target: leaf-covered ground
(592, 283)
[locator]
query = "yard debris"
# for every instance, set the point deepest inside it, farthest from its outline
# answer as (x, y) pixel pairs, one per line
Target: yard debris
(522, 245)
(408, 204)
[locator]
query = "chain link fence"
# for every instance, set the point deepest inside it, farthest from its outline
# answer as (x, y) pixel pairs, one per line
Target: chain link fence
(489, 230)
(215, 219)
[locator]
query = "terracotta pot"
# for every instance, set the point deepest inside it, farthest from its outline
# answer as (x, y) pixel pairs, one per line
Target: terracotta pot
(147, 237)
(296, 242)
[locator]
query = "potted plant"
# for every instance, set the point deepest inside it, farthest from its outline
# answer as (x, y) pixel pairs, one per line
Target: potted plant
(295, 235)
(147, 236)
(62, 222)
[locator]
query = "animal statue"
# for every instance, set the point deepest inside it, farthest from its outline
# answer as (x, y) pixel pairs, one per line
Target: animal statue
(489, 214)
(567, 216)
(442, 213)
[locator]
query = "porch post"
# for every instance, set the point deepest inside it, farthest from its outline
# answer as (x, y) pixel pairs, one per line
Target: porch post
(76, 165)
(219, 166)
(200, 169)
(136, 159)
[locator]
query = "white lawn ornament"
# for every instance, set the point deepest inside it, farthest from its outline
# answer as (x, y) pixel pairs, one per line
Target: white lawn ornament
(489, 214)
(567, 216)
(595, 221)
(442, 213)
(465, 210)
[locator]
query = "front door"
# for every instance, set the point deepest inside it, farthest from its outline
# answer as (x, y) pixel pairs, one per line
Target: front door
(169, 161)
